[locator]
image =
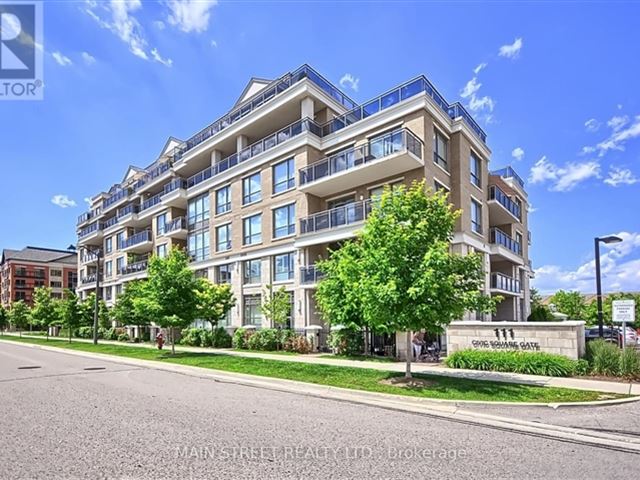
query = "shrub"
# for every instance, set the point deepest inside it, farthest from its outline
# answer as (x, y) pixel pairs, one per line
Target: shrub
(192, 336)
(630, 363)
(604, 358)
(123, 337)
(241, 338)
(264, 339)
(531, 363)
(582, 367)
(298, 344)
(110, 334)
(346, 341)
(220, 338)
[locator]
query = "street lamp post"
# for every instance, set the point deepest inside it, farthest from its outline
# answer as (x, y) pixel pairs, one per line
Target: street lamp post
(596, 241)
(98, 253)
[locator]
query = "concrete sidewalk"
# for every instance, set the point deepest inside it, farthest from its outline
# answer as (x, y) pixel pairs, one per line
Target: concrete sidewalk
(626, 388)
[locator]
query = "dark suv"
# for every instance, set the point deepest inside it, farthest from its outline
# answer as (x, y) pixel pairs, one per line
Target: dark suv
(610, 334)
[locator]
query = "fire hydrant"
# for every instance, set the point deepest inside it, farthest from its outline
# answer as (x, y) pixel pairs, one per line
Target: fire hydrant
(160, 340)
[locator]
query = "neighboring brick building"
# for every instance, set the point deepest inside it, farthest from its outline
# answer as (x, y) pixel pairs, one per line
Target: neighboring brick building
(23, 270)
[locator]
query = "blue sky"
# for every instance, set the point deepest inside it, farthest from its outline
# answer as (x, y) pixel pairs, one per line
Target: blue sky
(554, 85)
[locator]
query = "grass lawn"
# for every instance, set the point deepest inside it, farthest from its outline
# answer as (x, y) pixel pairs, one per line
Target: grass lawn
(346, 377)
(360, 358)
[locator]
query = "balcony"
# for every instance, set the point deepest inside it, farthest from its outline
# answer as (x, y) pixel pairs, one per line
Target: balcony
(89, 279)
(334, 220)
(310, 275)
(391, 154)
(151, 175)
(267, 143)
(91, 233)
(509, 173)
(504, 246)
(134, 268)
(128, 216)
(115, 199)
(174, 193)
(88, 258)
(260, 99)
(85, 217)
(137, 243)
(28, 274)
(502, 210)
(110, 223)
(176, 228)
(504, 284)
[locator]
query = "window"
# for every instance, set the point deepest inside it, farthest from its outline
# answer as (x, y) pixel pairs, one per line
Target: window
(226, 320)
(198, 245)
(223, 238)
(223, 273)
(161, 224)
(252, 271)
(161, 250)
(108, 245)
(476, 172)
(284, 221)
(120, 264)
(108, 293)
(519, 239)
(439, 186)
(72, 280)
(251, 189)
(284, 176)
(120, 239)
(55, 284)
(198, 212)
(201, 273)
(55, 273)
(223, 200)
(283, 267)
(108, 269)
(376, 193)
(476, 217)
(440, 149)
(252, 230)
(251, 307)
(118, 290)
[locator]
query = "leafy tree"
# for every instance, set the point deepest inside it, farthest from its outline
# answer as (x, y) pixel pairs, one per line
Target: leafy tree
(170, 291)
(276, 306)
(540, 313)
(214, 301)
(19, 315)
(569, 303)
(133, 306)
(591, 310)
(70, 311)
(407, 277)
(4, 319)
(45, 310)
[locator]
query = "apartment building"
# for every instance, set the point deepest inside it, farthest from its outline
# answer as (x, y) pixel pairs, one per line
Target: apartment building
(21, 271)
(262, 193)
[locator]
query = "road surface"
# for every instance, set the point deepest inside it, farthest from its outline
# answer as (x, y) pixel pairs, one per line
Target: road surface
(76, 417)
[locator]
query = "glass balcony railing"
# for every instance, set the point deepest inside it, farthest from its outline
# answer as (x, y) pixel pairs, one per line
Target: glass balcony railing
(115, 198)
(505, 283)
(132, 268)
(395, 142)
(91, 278)
(128, 210)
(152, 174)
(310, 274)
(175, 184)
(84, 217)
(336, 217)
(498, 237)
(151, 201)
(88, 258)
(135, 239)
(94, 227)
(267, 143)
(509, 172)
(111, 222)
(260, 99)
(174, 225)
(496, 194)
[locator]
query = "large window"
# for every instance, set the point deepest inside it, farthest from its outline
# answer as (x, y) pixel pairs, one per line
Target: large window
(440, 149)
(283, 267)
(251, 189)
(119, 240)
(476, 217)
(223, 273)
(119, 264)
(108, 269)
(161, 250)
(252, 230)
(198, 212)
(284, 176)
(252, 270)
(223, 200)
(223, 238)
(161, 223)
(108, 245)
(198, 245)
(476, 169)
(284, 221)
(251, 308)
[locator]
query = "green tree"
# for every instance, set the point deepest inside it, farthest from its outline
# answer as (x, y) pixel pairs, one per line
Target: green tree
(569, 303)
(276, 306)
(408, 279)
(45, 310)
(133, 306)
(214, 301)
(70, 311)
(19, 315)
(591, 310)
(4, 319)
(170, 291)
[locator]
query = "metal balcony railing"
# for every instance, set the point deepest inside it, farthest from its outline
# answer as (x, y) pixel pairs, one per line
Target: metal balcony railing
(509, 172)
(135, 239)
(496, 194)
(129, 209)
(94, 227)
(132, 268)
(336, 217)
(179, 223)
(310, 274)
(498, 237)
(505, 283)
(115, 197)
(84, 217)
(91, 278)
(111, 222)
(152, 174)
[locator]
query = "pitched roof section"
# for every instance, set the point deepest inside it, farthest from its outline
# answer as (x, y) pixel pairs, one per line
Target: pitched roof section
(40, 254)
(254, 86)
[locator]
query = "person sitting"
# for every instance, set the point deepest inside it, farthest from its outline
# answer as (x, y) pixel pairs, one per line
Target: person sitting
(418, 343)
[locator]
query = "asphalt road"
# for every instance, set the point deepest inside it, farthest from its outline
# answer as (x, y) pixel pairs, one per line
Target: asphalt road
(64, 421)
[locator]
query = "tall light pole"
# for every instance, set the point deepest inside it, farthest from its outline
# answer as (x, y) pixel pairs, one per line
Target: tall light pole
(608, 239)
(98, 253)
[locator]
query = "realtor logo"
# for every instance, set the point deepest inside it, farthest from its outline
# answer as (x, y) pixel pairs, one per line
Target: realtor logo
(21, 50)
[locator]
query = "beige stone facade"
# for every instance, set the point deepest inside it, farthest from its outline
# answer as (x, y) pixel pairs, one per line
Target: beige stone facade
(300, 151)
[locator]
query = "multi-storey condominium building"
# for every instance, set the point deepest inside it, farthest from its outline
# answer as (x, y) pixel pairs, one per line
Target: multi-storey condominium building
(21, 271)
(262, 193)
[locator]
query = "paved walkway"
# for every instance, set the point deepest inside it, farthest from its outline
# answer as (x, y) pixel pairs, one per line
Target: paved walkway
(431, 369)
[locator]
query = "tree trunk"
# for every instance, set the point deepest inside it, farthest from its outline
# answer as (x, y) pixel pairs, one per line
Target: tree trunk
(20, 333)
(69, 334)
(367, 349)
(173, 342)
(407, 373)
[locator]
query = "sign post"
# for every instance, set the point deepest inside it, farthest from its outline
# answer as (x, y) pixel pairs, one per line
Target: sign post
(624, 311)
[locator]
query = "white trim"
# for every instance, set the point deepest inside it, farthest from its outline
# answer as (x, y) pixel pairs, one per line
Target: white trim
(390, 182)
(332, 151)
(228, 222)
(284, 204)
(249, 215)
(337, 197)
(441, 167)
(386, 129)
(239, 257)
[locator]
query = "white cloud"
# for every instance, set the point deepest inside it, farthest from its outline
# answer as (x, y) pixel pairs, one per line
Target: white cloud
(63, 201)
(87, 200)
(517, 153)
(592, 125)
(477, 103)
(620, 176)
(349, 81)
(159, 24)
(532, 209)
(619, 137)
(619, 272)
(479, 68)
(167, 62)
(565, 178)
(214, 44)
(88, 58)
(481, 103)
(190, 15)
(511, 51)
(470, 88)
(61, 59)
(617, 122)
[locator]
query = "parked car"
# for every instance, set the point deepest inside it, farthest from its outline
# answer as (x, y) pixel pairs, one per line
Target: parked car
(612, 335)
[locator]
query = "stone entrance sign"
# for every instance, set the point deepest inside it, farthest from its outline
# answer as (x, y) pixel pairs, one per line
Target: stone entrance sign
(563, 338)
